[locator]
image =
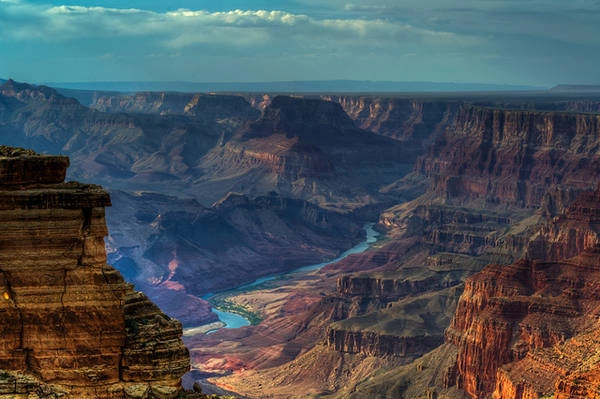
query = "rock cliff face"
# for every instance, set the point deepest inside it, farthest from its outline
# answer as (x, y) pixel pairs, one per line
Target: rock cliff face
(391, 287)
(68, 319)
(515, 325)
(374, 344)
(570, 233)
(512, 157)
(309, 149)
(413, 121)
(198, 106)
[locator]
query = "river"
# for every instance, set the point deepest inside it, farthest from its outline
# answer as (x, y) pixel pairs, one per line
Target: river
(234, 320)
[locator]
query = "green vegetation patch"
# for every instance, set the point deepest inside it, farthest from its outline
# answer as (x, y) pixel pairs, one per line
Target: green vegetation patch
(225, 304)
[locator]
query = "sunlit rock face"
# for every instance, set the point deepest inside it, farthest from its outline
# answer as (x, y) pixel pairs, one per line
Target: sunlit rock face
(530, 329)
(69, 321)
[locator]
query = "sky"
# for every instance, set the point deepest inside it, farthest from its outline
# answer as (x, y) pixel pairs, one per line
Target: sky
(523, 42)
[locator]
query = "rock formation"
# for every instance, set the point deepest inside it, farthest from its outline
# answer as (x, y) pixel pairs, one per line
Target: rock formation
(412, 121)
(530, 329)
(309, 149)
(70, 323)
(197, 106)
(512, 157)
(374, 344)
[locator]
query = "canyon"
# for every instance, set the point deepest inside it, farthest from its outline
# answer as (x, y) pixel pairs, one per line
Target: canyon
(483, 281)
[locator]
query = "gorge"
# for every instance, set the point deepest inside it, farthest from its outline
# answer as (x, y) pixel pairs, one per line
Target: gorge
(234, 320)
(483, 284)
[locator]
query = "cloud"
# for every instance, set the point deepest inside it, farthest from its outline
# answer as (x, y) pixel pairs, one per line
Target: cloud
(184, 28)
(574, 21)
(463, 40)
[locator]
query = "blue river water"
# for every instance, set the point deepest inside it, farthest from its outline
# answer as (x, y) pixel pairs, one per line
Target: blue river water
(233, 320)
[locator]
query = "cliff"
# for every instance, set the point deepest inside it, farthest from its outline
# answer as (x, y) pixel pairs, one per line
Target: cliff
(373, 344)
(414, 121)
(511, 156)
(520, 329)
(310, 149)
(571, 232)
(392, 286)
(193, 105)
(406, 328)
(70, 321)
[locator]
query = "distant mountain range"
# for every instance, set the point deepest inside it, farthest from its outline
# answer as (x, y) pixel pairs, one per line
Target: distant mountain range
(311, 86)
(576, 88)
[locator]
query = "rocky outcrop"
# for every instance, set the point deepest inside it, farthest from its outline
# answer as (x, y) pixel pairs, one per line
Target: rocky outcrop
(570, 233)
(374, 344)
(194, 105)
(406, 329)
(414, 121)
(505, 312)
(297, 162)
(509, 314)
(569, 369)
(67, 317)
(392, 287)
(512, 157)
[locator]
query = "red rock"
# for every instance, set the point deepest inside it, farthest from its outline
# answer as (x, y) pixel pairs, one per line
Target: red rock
(507, 315)
(67, 317)
(512, 156)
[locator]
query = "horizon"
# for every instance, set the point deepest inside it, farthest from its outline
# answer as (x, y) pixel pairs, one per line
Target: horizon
(534, 43)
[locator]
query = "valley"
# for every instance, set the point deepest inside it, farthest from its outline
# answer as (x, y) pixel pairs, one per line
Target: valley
(483, 278)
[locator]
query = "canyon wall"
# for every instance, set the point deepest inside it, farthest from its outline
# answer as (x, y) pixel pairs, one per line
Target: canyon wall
(194, 105)
(69, 320)
(413, 121)
(512, 157)
(519, 328)
(374, 344)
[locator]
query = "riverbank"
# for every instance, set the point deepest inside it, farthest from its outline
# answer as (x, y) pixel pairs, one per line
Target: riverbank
(236, 315)
(203, 329)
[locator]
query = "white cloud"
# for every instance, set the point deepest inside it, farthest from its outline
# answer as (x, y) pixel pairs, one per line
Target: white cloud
(383, 39)
(184, 28)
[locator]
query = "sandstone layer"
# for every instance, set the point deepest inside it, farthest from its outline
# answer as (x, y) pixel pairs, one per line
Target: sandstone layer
(528, 329)
(69, 320)
(512, 157)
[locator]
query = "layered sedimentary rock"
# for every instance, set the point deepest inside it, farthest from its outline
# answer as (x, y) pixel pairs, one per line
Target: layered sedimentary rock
(374, 344)
(392, 287)
(406, 328)
(195, 105)
(570, 233)
(67, 317)
(512, 157)
(309, 149)
(413, 121)
(520, 329)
